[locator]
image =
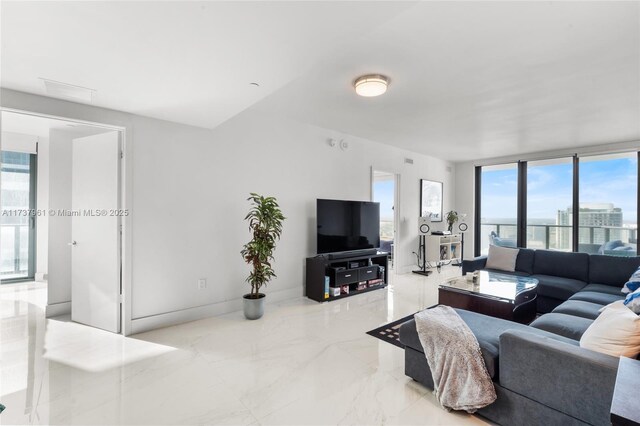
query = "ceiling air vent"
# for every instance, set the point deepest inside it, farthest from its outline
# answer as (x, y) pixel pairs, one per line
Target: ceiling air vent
(408, 160)
(67, 91)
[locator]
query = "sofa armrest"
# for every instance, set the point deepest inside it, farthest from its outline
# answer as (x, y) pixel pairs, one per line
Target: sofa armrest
(570, 379)
(475, 264)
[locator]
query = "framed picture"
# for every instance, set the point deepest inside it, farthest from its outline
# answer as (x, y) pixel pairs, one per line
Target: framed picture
(431, 199)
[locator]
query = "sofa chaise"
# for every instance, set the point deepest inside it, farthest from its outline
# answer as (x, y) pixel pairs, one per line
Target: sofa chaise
(541, 374)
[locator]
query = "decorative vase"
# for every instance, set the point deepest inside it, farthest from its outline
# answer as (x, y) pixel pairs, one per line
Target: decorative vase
(450, 226)
(253, 308)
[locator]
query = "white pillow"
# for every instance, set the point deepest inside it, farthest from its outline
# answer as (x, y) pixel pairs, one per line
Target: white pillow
(615, 332)
(502, 258)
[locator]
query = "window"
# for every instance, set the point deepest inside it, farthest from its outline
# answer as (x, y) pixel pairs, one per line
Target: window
(533, 204)
(608, 204)
(549, 197)
(498, 206)
(17, 225)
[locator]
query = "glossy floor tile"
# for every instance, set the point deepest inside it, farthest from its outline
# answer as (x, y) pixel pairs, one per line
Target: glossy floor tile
(302, 363)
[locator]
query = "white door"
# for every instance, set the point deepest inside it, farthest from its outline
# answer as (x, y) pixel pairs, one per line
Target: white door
(95, 230)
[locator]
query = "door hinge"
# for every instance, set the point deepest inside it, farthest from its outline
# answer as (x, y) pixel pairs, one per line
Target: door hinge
(120, 298)
(121, 154)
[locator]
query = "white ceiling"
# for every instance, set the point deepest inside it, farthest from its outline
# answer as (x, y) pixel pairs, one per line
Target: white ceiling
(469, 79)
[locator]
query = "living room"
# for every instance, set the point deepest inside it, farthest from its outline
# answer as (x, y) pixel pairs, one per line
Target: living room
(217, 100)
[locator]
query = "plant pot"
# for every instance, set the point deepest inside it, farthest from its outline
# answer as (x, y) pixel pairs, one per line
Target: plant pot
(253, 308)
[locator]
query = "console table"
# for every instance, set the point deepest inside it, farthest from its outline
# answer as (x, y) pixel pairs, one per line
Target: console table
(624, 406)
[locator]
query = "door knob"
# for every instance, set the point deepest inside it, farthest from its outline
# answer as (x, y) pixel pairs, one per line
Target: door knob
(72, 244)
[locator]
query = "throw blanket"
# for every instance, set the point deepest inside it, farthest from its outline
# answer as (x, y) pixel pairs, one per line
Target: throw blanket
(460, 377)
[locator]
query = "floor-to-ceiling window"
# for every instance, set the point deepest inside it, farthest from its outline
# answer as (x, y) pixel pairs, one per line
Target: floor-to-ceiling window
(608, 204)
(534, 204)
(498, 206)
(17, 222)
(549, 195)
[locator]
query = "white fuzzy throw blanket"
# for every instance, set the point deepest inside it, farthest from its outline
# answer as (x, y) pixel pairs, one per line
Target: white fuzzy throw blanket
(460, 377)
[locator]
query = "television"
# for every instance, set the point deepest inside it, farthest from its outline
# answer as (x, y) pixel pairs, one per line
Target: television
(347, 225)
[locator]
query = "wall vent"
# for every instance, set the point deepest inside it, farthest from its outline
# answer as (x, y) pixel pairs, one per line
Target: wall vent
(67, 91)
(408, 160)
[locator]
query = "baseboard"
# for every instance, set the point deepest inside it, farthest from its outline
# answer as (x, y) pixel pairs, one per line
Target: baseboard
(41, 276)
(140, 325)
(57, 309)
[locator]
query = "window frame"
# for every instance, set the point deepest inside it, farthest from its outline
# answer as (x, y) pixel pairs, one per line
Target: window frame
(521, 219)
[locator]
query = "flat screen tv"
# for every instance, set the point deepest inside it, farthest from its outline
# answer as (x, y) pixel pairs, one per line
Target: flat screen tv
(347, 225)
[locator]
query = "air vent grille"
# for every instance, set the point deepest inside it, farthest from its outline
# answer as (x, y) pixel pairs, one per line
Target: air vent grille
(67, 91)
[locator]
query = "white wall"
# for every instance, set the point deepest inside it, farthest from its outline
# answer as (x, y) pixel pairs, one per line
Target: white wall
(465, 202)
(192, 185)
(59, 281)
(188, 200)
(19, 142)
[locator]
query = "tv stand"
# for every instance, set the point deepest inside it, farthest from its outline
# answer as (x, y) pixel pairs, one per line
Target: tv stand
(352, 274)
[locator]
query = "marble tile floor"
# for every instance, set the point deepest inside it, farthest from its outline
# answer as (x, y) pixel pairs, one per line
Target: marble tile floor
(303, 363)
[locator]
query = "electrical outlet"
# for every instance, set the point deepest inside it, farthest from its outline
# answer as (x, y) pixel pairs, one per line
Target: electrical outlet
(202, 283)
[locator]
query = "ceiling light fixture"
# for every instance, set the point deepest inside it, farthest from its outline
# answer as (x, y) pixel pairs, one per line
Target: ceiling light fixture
(371, 85)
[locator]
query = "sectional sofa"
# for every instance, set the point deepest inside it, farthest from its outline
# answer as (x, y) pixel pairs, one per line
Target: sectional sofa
(541, 374)
(566, 276)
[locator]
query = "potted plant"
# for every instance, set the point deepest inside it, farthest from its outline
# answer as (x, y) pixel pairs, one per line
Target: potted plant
(265, 224)
(452, 218)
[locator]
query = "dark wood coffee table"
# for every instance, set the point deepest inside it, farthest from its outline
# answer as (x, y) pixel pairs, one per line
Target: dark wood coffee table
(498, 295)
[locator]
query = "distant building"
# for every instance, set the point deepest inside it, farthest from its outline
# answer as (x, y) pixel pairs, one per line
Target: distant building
(595, 218)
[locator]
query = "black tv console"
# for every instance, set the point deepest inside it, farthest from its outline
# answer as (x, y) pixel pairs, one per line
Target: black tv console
(324, 274)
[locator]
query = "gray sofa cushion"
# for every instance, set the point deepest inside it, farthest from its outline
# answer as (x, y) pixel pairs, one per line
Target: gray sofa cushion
(524, 261)
(612, 270)
(558, 287)
(544, 304)
(562, 324)
(603, 288)
(562, 264)
(579, 308)
(486, 329)
(597, 297)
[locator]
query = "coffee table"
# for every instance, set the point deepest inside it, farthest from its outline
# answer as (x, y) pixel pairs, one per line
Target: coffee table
(498, 295)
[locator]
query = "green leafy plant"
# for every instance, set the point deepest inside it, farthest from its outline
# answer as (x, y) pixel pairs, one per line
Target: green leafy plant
(452, 217)
(265, 224)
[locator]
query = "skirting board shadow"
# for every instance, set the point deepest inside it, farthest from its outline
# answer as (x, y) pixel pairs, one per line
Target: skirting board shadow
(57, 309)
(140, 325)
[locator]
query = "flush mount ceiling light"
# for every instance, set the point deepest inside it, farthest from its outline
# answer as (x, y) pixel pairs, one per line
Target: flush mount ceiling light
(371, 85)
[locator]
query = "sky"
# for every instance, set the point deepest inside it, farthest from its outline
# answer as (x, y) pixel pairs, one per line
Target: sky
(549, 187)
(383, 193)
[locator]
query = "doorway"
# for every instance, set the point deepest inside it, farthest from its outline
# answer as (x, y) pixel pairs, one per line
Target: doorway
(69, 185)
(384, 191)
